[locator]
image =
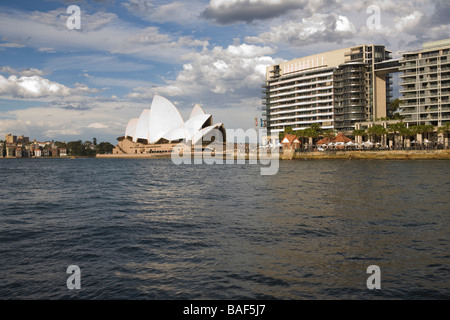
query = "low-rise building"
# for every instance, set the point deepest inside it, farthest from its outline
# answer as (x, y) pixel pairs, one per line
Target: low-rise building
(290, 142)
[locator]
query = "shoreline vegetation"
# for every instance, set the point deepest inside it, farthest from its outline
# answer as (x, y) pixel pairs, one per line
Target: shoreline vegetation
(289, 155)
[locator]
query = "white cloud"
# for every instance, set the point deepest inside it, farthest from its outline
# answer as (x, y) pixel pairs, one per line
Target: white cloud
(408, 22)
(97, 125)
(47, 49)
(343, 24)
(222, 79)
(316, 28)
(36, 87)
(181, 12)
(11, 45)
(232, 70)
(231, 11)
(28, 72)
(31, 87)
(100, 32)
(105, 119)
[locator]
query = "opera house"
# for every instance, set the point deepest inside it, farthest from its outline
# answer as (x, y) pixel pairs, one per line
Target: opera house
(162, 127)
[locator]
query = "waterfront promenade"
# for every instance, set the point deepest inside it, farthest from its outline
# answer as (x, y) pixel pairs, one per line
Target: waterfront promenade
(328, 155)
(370, 155)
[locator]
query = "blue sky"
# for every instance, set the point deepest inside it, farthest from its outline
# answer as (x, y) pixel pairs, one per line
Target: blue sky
(63, 84)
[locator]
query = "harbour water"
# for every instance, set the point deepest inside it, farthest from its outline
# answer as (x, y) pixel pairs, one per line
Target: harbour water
(148, 229)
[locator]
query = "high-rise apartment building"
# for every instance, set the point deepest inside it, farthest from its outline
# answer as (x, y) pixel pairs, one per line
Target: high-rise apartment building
(425, 82)
(334, 89)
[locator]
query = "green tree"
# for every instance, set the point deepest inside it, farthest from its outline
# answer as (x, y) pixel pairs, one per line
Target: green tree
(76, 148)
(405, 132)
(313, 132)
(60, 144)
(104, 147)
(445, 130)
(359, 132)
(330, 134)
(287, 130)
(301, 136)
(428, 128)
(418, 129)
(393, 106)
(377, 131)
(397, 129)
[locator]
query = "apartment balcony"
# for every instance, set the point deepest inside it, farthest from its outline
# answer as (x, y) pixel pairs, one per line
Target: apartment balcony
(409, 57)
(428, 117)
(410, 96)
(407, 65)
(410, 72)
(410, 76)
(407, 89)
(429, 86)
(409, 111)
(428, 63)
(430, 55)
(411, 81)
(408, 103)
(358, 109)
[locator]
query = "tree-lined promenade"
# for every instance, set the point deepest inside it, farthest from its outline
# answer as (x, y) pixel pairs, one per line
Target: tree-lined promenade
(400, 136)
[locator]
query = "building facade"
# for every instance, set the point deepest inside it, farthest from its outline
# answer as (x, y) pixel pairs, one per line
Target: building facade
(335, 89)
(425, 82)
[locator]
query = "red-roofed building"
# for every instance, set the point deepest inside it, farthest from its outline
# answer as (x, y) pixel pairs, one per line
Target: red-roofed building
(290, 142)
(340, 137)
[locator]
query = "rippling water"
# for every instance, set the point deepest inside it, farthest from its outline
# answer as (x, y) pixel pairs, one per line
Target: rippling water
(148, 229)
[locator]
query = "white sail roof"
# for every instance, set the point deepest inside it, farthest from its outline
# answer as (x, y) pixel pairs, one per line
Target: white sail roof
(188, 129)
(131, 127)
(196, 111)
(163, 116)
(142, 126)
(205, 131)
(163, 120)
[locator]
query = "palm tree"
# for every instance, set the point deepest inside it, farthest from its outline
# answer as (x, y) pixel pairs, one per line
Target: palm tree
(418, 129)
(445, 130)
(301, 136)
(359, 133)
(287, 130)
(377, 131)
(428, 128)
(405, 132)
(397, 129)
(313, 132)
(330, 134)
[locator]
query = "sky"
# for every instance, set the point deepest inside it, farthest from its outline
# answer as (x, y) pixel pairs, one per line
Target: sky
(64, 84)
